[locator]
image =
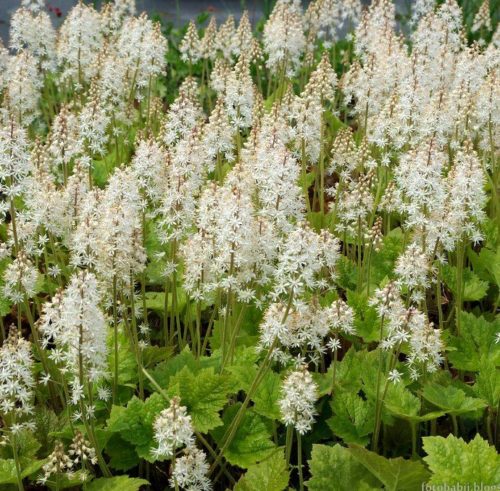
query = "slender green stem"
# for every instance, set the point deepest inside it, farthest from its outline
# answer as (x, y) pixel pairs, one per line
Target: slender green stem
(413, 427)
(288, 444)
(17, 463)
(377, 396)
(115, 333)
(455, 424)
(299, 461)
(459, 292)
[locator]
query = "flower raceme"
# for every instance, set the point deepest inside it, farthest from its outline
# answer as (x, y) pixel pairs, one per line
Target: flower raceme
(285, 226)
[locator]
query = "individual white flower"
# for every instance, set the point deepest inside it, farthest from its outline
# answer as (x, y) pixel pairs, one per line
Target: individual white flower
(394, 376)
(104, 393)
(334, 344)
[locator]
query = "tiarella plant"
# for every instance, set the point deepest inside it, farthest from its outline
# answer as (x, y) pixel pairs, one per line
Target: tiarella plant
(250, 257)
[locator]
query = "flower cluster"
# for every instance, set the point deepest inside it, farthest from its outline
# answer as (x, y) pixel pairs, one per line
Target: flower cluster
(314, 192)
(16, 376)
(299, 394)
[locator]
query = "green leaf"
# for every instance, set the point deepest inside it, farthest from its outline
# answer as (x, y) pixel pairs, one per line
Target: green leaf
(306, 180)
(267, 396)
(31, 467)
(153, 354)
(252, 441)
(333, 121)
(315, 218)
(452, 461)
(244, 368)
(394, 474)
(155, 301)
(382, 263)
(67, 433)
(127, 364)
(65, 482)
(451, 399)
(347, 275)
(46, 422)
(135, 422)
(204, 393)
(118, 483)
(27, 444)
(401, 402)
(473, 287)
(8, 474)
(351, 368)
(271, 474)
(122, 453)
(247, 332)
(366, 320)
(169, 368)
(487, 384)
(486, 264)
(334, 469)
(8, 471)
(353, 418)
(101, 170)
(477, 340)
